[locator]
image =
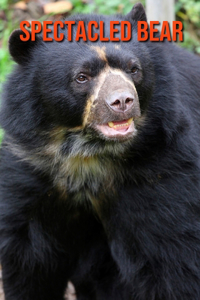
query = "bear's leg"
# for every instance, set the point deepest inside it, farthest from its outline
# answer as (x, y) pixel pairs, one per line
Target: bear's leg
(154, 239)
(102, 291)
(101, 280)
(32, 283)
(33, 265)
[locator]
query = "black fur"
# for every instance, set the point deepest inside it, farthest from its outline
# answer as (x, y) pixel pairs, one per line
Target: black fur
(129, 229)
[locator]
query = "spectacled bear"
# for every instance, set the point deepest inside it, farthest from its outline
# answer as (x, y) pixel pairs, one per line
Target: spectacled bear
(100, 169)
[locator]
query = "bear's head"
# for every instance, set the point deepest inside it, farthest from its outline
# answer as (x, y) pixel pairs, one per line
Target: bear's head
(83, 92)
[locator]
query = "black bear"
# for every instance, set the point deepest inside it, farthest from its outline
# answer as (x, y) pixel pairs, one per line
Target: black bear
(100, 169)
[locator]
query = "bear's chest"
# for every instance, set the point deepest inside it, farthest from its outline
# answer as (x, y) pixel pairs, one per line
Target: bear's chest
(86, 177)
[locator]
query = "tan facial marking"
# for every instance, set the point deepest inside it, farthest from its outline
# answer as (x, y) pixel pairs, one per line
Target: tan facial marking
(101, 79)
(57, 137)
(141, 122)
(88, 109)
(57, 134)
(90, 102)
(100, 51)
(77, 128)
(121, 74)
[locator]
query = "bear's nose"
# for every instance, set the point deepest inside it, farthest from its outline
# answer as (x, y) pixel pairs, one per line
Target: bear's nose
(120, 101)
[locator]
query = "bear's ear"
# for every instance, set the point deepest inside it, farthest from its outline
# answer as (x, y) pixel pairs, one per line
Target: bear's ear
(137, 13)
(19, 50)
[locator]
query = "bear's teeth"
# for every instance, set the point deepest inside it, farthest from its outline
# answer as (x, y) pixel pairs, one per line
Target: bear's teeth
(121, 125)
(130, 121)
(111, 124)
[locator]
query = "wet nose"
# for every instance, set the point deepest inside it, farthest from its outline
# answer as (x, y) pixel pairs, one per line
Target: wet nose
(120, 101)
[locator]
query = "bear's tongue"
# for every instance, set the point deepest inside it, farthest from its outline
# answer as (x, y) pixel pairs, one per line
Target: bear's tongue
(120, 125)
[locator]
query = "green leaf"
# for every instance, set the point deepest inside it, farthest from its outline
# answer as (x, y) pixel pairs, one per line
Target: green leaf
(1, 135)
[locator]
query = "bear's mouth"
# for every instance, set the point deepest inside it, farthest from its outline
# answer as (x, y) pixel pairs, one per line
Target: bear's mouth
(117, 129)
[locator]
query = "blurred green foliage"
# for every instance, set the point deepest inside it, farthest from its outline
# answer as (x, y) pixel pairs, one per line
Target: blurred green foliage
(6, 27)
(1, 135)
(106, 7)
(188, 11)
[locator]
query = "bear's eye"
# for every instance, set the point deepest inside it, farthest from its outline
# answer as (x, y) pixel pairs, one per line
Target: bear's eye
(134, 70)
(81, 78)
